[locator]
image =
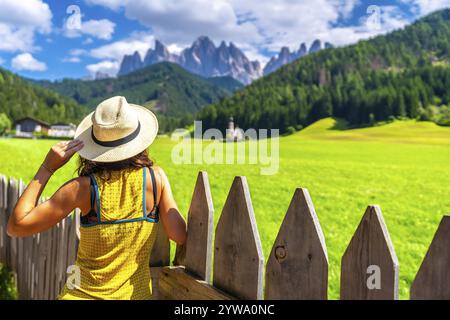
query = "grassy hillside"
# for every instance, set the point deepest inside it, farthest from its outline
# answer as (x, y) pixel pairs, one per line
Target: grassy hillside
(402, 166)
(19, 98)
(402, 74)
(166, 88)
(228, 83)
(410, 131)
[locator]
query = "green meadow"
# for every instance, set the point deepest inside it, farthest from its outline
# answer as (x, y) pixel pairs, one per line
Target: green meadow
(402, 166)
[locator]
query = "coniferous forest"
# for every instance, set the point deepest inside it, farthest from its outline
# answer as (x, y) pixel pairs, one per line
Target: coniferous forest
(402, 74)
(20, 98)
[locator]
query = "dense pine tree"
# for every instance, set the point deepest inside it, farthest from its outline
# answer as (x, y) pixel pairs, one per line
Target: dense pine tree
(19, 98)
(402, 74)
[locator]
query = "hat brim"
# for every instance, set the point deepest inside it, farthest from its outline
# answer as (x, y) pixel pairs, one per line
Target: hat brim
(95, 152)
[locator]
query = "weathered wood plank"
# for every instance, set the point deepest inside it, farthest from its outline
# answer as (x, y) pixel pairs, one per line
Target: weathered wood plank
(72, 242)
(370, 268)
(176, 284)
(13, 194)
(61, 256)
(156, 294)
(432, 281)
(160, 255)
(34, 267)
(21, 259)
(56, 263)
(3, 216)
(238, 255)
(199, 230)
(27, 253)
(49, 264)
(297, 268)
(43, 271)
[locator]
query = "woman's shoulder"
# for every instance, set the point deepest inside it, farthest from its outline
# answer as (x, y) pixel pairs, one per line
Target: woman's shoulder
(160, 175)
(78, 183)
(158, 170)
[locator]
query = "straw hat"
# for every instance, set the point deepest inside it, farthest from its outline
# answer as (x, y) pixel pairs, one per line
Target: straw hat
(116, 131)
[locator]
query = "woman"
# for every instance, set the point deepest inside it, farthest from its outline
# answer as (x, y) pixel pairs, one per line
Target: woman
(121, 196)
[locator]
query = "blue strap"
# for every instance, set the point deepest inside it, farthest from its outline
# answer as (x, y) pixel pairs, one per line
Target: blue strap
(91, 187)
(96, 199)
(152, 216)
(91, 215)
(154, 187)
(154, 213)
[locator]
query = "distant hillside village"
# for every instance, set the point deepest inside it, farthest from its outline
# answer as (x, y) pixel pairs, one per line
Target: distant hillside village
(30, 127)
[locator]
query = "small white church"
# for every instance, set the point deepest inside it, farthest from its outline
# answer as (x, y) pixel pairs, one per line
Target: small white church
(233, 132)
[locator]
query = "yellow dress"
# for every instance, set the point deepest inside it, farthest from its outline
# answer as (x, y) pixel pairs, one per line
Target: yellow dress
(116, 240)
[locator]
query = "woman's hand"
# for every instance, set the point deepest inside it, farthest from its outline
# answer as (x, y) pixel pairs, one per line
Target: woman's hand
(61, 153)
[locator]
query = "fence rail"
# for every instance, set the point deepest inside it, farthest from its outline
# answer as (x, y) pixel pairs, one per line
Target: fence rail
(297, 267)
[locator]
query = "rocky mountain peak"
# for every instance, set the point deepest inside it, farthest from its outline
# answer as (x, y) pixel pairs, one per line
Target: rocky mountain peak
(316, 46)
(130, 63)
(286, 56)
(302, 50)
(207, 60)
(159, 54)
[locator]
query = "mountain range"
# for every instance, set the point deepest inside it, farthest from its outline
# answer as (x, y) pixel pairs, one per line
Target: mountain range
(205, 59)
(166, 88)
(286, 56)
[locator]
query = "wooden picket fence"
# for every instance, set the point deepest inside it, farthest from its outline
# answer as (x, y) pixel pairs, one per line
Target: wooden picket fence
(297, 267)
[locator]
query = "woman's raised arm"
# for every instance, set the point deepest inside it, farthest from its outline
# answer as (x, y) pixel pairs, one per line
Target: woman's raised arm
(29, 218)
(173, 222)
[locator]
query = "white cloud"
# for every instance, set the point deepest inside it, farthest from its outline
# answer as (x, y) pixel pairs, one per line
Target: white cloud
(100, 29)
(175, 48)
(390, 18)
(112, 4)
(182, 21)
(140, 42)
(2, 61)
(109, 67)
(25, 61)
(346, 7)
(423, 7)
(30, 13)
(72, 60)
(74, 55)
(256, 26)
(259, 27)
(78, 52)
(88, 41)
(20, 20)
(16, 39)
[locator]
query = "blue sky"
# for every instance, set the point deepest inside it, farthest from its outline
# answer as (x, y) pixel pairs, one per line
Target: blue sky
(40, 39)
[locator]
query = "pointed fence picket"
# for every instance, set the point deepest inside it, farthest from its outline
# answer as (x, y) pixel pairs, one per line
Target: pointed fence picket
(370, 269)
(198, 259)
(238, 256)
(433, 279)
(298, 263)
(297, 267)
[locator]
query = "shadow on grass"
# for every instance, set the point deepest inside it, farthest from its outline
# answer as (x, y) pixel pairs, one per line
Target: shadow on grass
(340, 124)
(7, 286)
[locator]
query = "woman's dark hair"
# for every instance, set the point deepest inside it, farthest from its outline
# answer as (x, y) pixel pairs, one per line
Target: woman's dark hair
(88, 167)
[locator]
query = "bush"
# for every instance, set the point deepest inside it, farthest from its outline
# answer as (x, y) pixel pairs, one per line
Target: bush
(5, 123)
(7, 288)
(290, 130)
